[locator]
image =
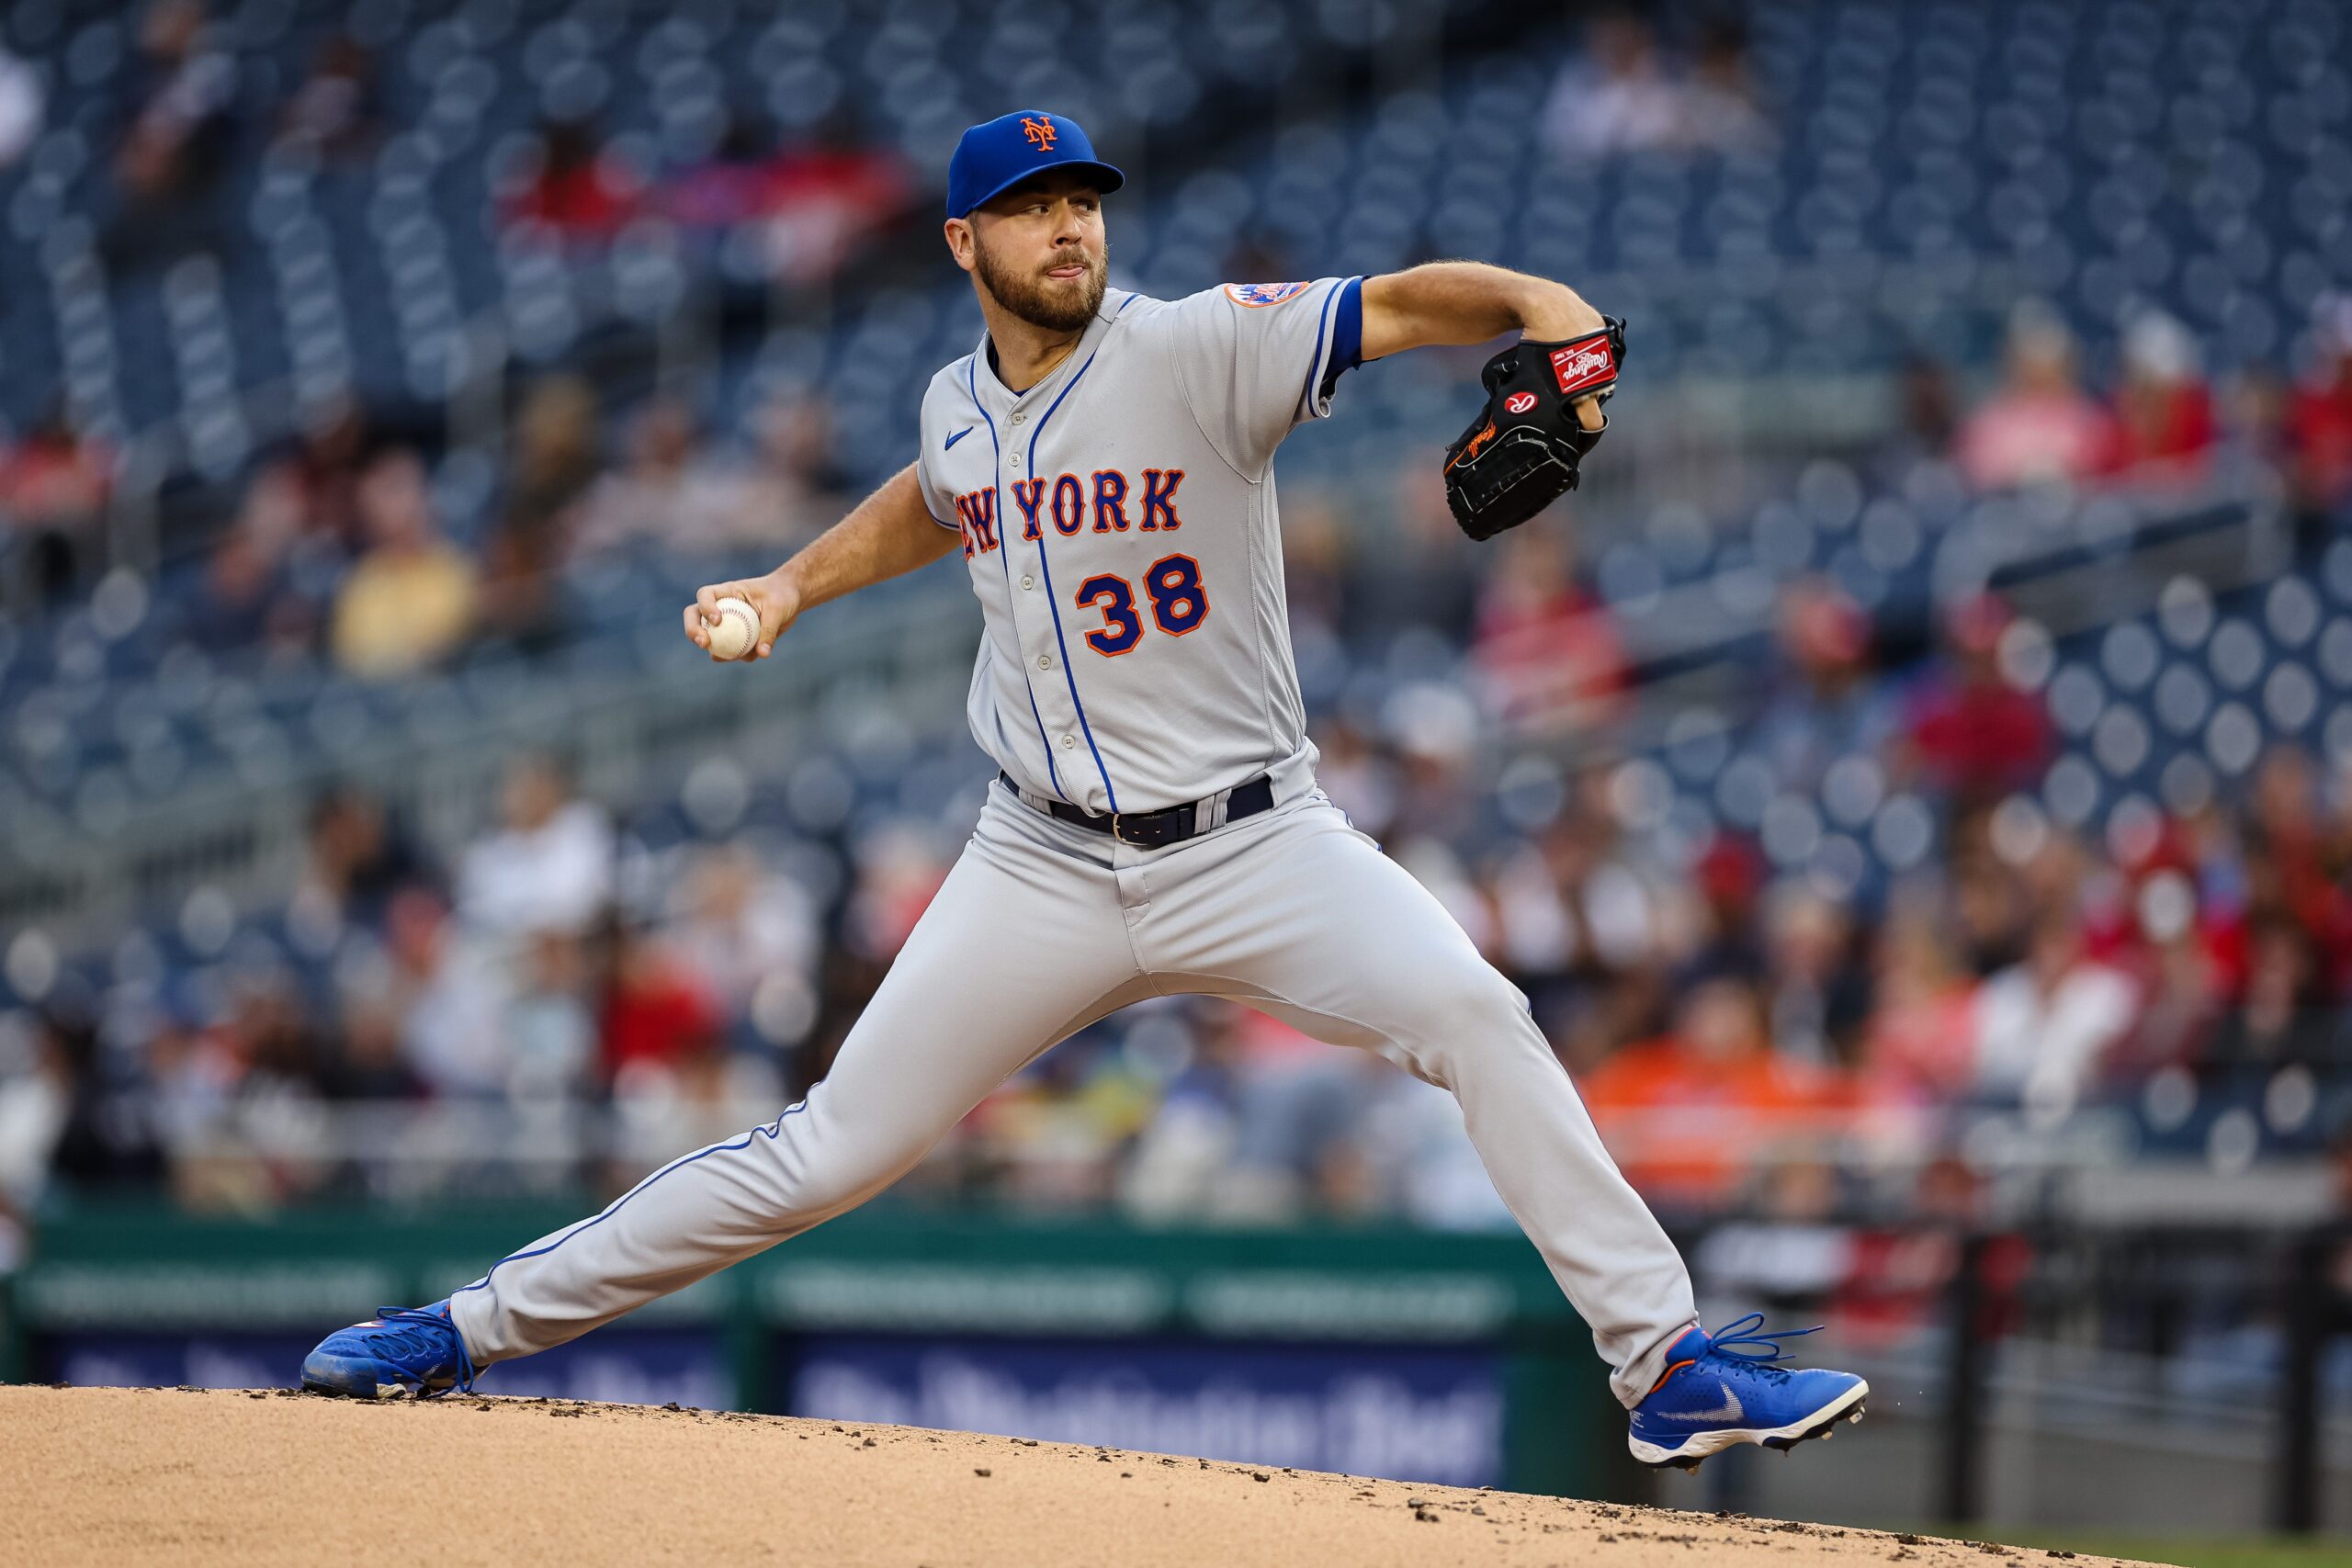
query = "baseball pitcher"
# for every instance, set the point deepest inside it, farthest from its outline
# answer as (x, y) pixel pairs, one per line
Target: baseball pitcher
(1102, 463)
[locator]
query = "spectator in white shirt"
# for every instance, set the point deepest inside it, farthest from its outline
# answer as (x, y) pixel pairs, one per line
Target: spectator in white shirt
(1613, 96)
(22, 104)
(549, 869)
(2044, 1026)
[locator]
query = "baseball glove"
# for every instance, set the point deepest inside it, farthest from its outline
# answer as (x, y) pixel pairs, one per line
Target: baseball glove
(1522, 453)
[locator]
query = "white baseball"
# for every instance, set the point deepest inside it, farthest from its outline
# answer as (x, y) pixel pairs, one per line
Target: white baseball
(734, 629)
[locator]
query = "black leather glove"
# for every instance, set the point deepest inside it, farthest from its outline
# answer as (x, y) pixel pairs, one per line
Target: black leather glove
(1522, 453)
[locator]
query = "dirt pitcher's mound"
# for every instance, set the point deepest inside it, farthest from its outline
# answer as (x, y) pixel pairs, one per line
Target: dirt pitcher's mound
(125, 1476)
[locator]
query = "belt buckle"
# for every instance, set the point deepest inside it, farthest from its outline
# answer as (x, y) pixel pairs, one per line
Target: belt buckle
(1120, 835)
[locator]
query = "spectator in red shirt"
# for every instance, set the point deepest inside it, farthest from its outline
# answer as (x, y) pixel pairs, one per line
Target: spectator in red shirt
(2294, 868)
(2164, 410)
(1728, 877)
(1549, 651)
(815, 203)
(2319, 416)
(2041, 427)
(655, 1015)
(728, 187)
(1973, 734)
(2284, 1019)
(53, 490)
(829, 197)
(578, 192)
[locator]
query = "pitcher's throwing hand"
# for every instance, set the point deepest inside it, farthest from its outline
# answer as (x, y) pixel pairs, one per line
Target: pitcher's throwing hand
(772, 598)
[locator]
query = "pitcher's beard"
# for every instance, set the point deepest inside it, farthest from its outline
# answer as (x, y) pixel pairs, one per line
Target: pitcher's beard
(1044, 304)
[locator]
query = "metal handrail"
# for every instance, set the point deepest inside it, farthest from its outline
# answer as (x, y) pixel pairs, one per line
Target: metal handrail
(248, 840)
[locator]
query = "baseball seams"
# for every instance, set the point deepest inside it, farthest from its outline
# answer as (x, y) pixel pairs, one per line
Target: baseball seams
(736, 631)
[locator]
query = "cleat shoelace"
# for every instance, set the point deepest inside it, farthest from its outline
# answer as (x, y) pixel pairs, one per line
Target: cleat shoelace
(410, 1342)
(1748, 1331)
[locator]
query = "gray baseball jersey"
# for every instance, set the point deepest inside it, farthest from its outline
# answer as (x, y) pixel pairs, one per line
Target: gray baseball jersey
(1119, 527)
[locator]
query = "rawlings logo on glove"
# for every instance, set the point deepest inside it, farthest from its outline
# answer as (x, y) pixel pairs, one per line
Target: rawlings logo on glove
(1523, 452)
(1580, 368)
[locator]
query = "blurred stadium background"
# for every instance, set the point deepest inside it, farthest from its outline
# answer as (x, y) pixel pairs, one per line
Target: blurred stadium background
(1913, 781)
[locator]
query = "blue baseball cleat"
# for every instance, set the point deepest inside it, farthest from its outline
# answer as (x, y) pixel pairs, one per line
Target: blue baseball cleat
(1715, 1397)
(397, 1354)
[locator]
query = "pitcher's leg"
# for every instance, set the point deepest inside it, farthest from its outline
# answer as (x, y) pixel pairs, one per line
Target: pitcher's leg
(1309, 920)
(1020, 948)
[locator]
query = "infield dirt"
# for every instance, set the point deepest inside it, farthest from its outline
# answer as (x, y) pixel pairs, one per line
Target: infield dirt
(226, 1476)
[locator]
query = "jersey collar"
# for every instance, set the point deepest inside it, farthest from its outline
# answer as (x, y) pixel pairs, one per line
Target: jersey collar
(995, 394)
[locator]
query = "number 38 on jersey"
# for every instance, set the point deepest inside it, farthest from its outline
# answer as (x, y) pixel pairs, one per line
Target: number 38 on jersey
(1179, 604)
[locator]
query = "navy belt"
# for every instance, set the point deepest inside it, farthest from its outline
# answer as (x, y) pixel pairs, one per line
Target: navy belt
(1172, 825)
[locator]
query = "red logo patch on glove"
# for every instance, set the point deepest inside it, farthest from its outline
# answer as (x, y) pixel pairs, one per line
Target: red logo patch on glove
(1582, 365)
(1519, 402)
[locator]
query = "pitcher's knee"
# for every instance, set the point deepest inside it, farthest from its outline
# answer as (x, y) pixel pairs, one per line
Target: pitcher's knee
(1480, 992)
(1464, 1002)
(847, 1179)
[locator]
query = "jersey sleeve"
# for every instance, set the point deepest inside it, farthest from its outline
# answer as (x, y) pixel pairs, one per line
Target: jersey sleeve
(1255, 359)
(935, 500)
(929, 432)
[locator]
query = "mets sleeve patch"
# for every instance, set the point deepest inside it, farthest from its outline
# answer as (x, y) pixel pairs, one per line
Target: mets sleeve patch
(1258, 295)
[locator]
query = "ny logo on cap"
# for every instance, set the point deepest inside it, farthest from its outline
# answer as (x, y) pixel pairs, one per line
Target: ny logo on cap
(1040, 132)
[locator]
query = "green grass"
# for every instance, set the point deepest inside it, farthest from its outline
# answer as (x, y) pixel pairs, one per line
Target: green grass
(2188, 1552)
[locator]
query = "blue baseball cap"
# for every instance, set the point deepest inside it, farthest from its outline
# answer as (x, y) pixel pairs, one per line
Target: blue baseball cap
(995, 156)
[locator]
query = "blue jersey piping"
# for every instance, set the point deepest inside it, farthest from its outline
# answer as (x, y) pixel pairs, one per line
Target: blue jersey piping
(1004, 524)
(770, 1130)
(1314, 360)
(1052, 601)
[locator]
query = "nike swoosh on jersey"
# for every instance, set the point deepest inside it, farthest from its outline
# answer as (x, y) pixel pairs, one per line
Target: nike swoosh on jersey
(1731, 1411)
(958, 437)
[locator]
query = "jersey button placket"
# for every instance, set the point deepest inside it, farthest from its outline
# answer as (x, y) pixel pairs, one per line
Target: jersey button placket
(1050, 695)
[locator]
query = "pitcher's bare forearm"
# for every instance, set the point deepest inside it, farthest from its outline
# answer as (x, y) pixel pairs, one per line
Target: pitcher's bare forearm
(1461, 303)
(1458, 303)
(888, 535)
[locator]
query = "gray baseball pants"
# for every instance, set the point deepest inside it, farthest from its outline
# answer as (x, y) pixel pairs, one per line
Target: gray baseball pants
(1043, 928)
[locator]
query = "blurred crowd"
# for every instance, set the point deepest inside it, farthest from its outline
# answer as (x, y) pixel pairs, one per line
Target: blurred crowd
(2161, 419)
(340, 543)
(341, 546)
(1624, 91)
(1747, 1032)
(762, 209)
(1723, 1019)
(793, 210)
(2023, 966)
